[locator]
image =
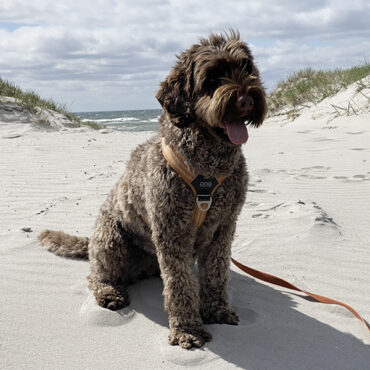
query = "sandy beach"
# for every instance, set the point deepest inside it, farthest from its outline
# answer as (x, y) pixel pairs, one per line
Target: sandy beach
(306, 219)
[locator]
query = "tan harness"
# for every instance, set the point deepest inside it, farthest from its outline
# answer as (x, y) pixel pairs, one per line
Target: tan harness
(203, 188)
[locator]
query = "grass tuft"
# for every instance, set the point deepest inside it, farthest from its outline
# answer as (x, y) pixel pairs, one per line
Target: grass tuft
(34, 103)
(93, 125)
(310, 86)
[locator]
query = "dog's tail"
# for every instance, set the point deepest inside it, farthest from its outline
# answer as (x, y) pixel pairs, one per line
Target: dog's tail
(65, 245)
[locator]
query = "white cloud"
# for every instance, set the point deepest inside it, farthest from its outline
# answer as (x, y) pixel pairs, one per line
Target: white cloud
(105, 54)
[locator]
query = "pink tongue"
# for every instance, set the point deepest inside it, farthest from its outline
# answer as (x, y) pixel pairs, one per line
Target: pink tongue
(237, 132)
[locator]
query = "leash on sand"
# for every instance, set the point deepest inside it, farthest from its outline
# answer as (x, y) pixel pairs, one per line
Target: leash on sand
(285, 284)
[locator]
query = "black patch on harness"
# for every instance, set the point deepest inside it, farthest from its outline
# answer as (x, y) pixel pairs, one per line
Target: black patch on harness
(203, 186)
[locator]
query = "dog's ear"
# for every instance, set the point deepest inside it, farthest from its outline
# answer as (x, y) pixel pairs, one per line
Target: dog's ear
(175, 93)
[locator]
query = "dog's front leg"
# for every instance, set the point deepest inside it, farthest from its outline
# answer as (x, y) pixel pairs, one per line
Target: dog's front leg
(108, 262)
(214, 271)
(181, 290)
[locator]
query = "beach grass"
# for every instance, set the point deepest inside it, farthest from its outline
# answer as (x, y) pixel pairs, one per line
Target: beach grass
(309, 86)
(34, 103)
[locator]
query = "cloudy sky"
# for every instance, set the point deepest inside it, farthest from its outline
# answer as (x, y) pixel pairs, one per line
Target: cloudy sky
(111, 55)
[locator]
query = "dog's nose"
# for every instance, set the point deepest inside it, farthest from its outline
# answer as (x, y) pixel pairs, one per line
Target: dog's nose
(245, 104)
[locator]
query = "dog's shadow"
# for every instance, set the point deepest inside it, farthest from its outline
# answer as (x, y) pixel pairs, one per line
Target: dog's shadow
(271, 333)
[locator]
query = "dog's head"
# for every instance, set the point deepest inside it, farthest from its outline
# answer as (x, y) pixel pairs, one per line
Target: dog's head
(215, 84)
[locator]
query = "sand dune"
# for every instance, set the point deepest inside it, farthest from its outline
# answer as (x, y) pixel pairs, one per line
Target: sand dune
(306, 220)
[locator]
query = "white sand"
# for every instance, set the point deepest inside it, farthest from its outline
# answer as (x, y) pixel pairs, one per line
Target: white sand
(307, 219)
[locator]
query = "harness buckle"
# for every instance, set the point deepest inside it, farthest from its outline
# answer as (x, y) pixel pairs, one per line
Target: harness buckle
(204, 202)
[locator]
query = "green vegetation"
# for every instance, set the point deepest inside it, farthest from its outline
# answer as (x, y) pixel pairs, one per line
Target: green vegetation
(34, 103)
(94, 125)
(310, 86)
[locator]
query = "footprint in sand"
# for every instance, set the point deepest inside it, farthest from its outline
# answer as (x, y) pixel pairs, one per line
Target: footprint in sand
(316, 168)
(260, 191)
(323, 139)
(312, 173)
(313, 177)
(304, 131)
(359, 178)
(273, 208)
(354, 178)
(11, 136)
(94, 315)
(260, 215)
(187, 358)
(307, 216)
(252, 204)
(354, 132)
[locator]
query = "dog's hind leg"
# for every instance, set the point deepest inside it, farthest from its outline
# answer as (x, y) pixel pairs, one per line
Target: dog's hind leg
(109, 261)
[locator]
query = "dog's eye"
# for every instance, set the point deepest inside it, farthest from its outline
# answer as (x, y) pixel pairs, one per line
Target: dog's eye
(247, 65)
(211, 84)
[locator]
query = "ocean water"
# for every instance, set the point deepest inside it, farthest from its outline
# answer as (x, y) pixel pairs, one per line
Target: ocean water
(125, 120)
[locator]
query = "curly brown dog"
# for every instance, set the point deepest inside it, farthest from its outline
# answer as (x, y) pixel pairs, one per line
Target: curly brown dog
(145, 227)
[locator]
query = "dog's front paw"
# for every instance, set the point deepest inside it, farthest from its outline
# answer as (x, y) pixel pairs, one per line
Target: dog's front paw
(113, 297)
(109, 297)
(113, 301)
(220, 315)
(188, 338)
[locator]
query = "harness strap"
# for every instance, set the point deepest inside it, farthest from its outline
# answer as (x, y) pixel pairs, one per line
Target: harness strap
(203, 188)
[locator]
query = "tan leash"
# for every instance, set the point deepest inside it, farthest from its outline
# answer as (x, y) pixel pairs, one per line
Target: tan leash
(285, 284)
(203, 190)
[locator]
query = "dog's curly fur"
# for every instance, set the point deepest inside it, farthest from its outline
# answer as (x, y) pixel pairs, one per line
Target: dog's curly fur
(145, 226)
